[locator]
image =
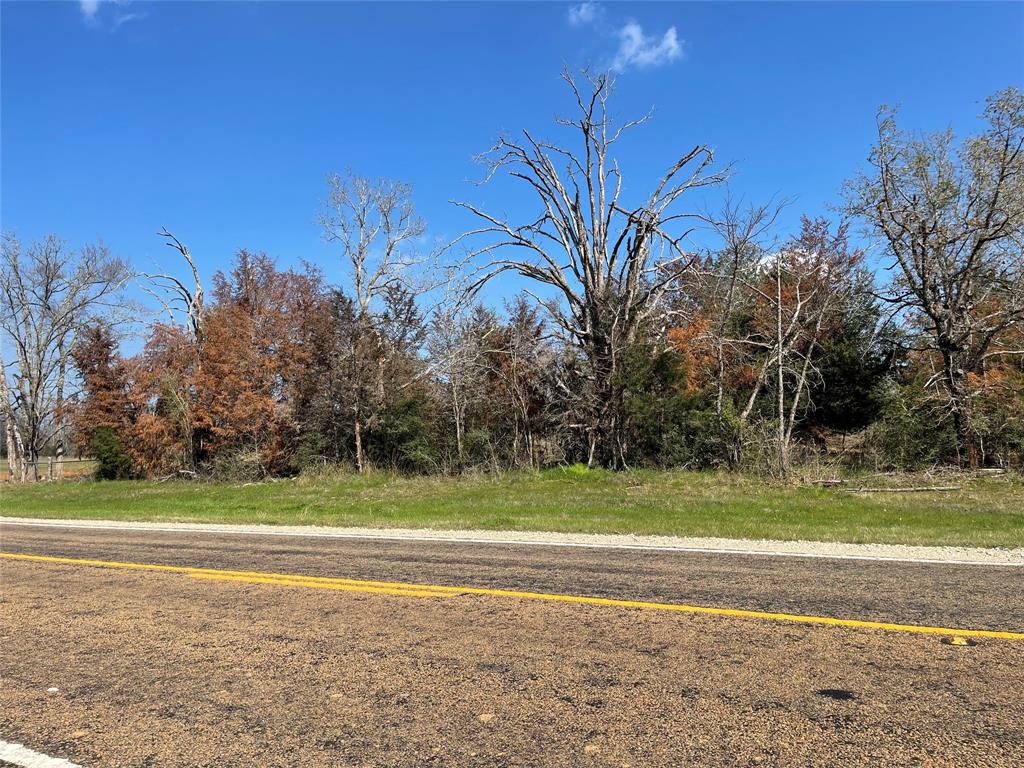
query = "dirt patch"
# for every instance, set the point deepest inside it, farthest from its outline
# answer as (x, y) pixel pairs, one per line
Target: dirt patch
(164, 670)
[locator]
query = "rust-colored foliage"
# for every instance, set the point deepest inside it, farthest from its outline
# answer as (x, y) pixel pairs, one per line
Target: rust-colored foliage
(106, 384)
(694, 343)
(255, 349)
(163, 440)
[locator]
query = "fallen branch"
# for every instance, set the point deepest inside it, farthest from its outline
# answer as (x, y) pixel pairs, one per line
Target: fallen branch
(906, 490)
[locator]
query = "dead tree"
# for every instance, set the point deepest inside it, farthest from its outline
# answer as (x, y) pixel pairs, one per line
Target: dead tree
(601, 266)
(174, 295)
(47, 294)
(376, 226)
(16, 465)
(814, 277)
(456, 354)
(952, 219)
(182, 301)
(725, 297)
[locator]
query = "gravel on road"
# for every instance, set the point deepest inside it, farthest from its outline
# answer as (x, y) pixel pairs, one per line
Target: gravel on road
(158, 669)
(980, 555)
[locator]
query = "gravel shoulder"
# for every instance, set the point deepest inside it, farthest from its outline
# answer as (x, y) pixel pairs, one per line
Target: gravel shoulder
(923, 554)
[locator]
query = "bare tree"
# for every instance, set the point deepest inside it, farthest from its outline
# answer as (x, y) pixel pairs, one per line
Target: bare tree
(602, 266)
(16, 464)
(766, 310)
(176, 296)
(724, 298)
(47, 294)
(953, 221)
(376, 226)
(812, 280)
(456, 359)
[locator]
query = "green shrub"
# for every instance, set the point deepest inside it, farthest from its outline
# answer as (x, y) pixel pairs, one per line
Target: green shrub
(112, 463)
(241, 465)
(477, 444)
(667, 426)
(912, 431)
(403, 439)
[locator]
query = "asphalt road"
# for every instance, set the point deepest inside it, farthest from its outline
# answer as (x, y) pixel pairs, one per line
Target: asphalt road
(156, 667)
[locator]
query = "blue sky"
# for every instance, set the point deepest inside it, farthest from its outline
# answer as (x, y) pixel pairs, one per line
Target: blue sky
(221, 120)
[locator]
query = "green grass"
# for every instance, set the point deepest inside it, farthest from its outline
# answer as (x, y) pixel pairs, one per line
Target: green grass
(986, 512)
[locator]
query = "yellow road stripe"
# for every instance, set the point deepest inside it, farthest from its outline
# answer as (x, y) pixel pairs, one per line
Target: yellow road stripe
(198, 572)
(428, 590)
(300, 582)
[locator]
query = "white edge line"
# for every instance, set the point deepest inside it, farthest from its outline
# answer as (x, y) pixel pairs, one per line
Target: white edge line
(213, 529)
(21, 755)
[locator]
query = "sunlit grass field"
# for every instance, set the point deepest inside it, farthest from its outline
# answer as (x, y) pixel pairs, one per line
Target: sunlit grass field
(73, 468)
(985, 512)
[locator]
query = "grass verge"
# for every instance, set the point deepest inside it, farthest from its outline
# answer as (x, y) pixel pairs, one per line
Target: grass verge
(986, 512)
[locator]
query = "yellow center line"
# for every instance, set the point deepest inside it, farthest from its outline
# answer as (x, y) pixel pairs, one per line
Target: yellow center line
(302, 582)
(431, 590)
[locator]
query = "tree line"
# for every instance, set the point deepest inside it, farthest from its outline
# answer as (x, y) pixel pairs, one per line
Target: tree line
(627, 347)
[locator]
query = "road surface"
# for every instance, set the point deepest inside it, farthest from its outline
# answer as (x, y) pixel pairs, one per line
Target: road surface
(174, 649)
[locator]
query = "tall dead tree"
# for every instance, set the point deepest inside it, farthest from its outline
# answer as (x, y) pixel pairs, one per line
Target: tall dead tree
(376, 226)
(177, 297)
(47, 294)
(952, 219)
(182, 301)
(601, 267)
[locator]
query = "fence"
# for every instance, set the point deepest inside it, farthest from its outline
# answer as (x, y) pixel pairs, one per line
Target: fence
(48, 468)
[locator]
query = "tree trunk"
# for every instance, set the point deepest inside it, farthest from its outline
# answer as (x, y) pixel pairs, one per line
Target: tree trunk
(457, 416)
(783, 447)
(57, 471)
(15, 453)
(30, 466)
(12, 455)
(963, 422)
(798, 392)
(358, 424)
(609, 446)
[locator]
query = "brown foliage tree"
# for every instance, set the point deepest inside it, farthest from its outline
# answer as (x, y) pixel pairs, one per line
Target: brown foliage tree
(105, 401)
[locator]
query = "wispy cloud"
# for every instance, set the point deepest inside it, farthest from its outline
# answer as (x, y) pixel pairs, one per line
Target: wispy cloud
(639, 50)
(94, 15)
(124, 18)
(584, 13)
(636, 49)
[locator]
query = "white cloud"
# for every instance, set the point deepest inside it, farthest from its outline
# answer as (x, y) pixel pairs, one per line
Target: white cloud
(584, 13)
(89, 9)
(124, 18)
(639, 50)
(94, 15)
